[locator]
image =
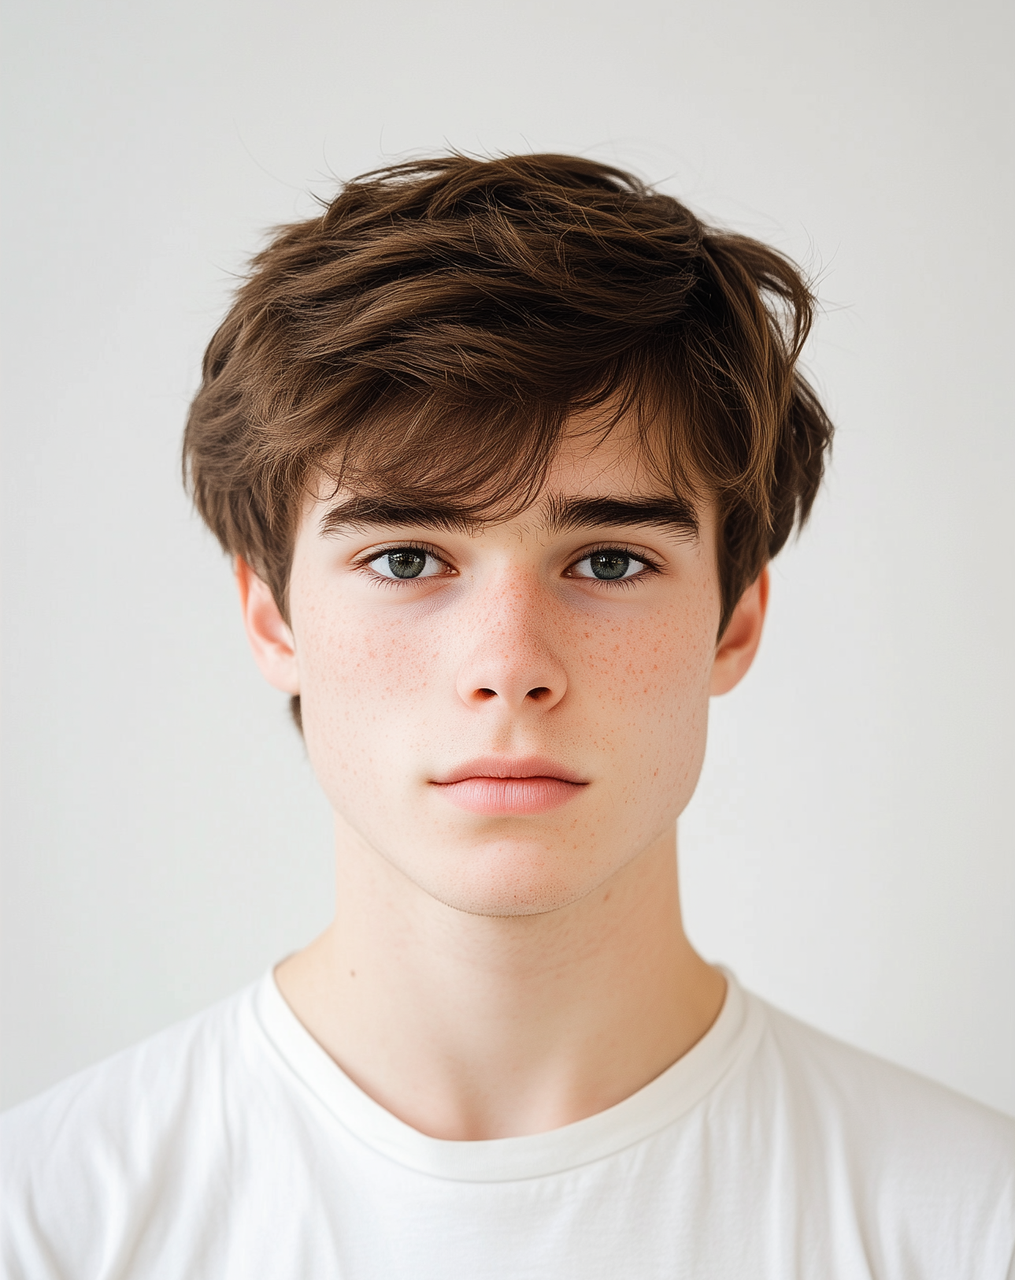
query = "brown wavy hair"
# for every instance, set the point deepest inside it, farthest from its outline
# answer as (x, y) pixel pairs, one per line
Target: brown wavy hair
(434, 329)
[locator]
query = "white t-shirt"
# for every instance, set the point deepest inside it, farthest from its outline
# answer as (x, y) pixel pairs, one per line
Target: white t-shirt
(232, 1147)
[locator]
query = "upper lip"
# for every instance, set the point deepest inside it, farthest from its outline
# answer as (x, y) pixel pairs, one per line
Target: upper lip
(507, 767)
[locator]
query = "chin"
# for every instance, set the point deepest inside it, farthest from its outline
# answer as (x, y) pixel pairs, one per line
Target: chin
(514, 878)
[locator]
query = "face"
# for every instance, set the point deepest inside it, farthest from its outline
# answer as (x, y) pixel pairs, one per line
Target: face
(509, 714)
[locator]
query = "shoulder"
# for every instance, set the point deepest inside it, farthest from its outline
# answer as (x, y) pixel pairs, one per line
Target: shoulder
(931, 1172)
(878, 1096)
(114, 1136)
(134, 1091)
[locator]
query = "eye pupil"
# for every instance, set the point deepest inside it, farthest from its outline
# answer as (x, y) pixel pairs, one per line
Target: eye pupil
(609, 564)
(406, 563)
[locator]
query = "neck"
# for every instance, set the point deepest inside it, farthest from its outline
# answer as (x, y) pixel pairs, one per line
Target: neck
(468, 1026)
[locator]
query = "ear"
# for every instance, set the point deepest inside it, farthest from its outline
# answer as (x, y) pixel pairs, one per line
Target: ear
(740, 640)
(269, 634)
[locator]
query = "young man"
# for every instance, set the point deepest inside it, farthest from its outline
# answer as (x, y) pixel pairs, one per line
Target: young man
(501, 451)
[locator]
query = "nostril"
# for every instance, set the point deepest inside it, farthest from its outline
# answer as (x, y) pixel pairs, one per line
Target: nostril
(537, 694)
(486, 693)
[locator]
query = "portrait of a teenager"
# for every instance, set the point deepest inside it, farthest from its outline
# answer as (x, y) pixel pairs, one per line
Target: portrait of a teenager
(502, 451)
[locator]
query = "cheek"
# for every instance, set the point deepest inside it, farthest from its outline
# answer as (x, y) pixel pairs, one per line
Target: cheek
(362, 681)
(662, 660)
(646, 683)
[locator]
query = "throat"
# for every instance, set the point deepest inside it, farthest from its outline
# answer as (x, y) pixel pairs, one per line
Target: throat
(468, 1027)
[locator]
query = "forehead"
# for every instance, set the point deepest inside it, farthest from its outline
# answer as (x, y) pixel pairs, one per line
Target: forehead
(602, 468)
(617, 460)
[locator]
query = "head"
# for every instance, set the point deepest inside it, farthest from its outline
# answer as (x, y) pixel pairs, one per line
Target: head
(502, 449)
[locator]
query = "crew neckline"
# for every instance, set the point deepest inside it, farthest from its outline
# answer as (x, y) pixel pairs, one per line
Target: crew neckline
(657, 1104)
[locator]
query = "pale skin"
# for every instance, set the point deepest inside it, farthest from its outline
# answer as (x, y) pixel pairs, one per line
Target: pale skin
(490, 975)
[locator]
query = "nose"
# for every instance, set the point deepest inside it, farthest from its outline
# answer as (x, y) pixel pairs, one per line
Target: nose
(510, 661)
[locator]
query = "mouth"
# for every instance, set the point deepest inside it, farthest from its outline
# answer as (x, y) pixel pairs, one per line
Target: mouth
(497, 786)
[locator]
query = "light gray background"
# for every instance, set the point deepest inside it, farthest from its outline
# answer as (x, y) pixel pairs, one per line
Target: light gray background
(849, 852)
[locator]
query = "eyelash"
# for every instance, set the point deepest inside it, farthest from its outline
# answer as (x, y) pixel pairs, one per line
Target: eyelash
(650, 566)
(363, 562)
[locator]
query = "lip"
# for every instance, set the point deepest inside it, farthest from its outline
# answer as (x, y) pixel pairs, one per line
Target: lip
(505, 767)
(495, 785)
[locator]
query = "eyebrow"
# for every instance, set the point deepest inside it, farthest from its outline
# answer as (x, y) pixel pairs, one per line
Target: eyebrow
(671, 512)
(561, 515)
(357, 513)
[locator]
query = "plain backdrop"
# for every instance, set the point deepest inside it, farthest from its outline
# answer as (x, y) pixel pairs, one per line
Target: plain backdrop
(850, 851)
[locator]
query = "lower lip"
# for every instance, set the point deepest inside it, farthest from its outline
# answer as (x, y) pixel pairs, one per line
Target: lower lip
(509, 796)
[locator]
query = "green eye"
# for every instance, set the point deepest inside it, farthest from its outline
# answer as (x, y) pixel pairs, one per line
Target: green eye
(406, 562)
(608, 566)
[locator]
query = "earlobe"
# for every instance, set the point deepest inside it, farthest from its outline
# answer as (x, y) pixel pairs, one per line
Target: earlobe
(270, 637)
(739, 643)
